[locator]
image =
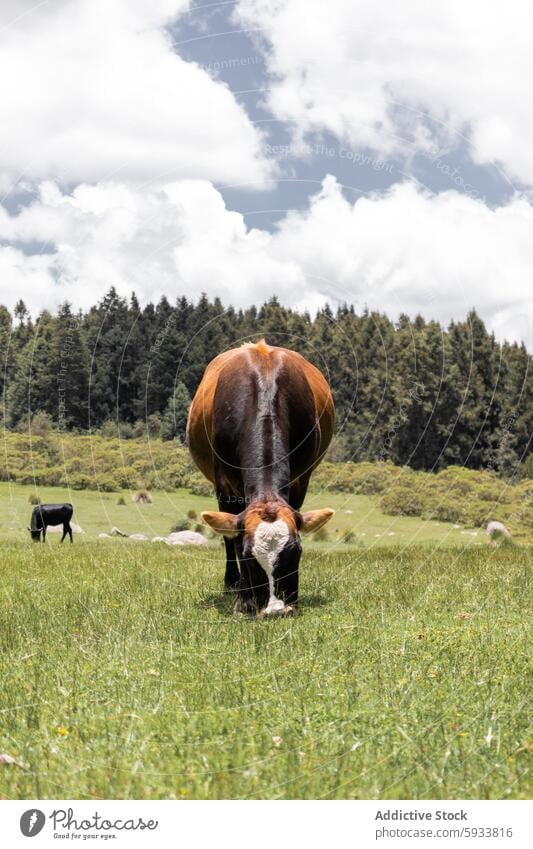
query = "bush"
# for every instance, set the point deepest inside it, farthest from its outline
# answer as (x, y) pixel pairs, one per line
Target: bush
(105, 483)
(81, 481)
(41, 424)
(525, 469)
(192, 514)
(109, 430)
(348, 536)
(477, 513)
(200, 486)
(443, 510)
(125, 430)
(34, 499)
(402, 501)
(121, 501)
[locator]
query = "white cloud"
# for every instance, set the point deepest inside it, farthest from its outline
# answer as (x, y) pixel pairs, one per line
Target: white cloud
(369, 73)
(92, 90)
(402, 251)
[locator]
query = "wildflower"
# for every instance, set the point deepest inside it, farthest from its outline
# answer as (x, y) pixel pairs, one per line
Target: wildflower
(62, 731)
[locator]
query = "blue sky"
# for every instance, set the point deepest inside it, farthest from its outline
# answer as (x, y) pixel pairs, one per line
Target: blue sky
(209, 35)
(341, 152)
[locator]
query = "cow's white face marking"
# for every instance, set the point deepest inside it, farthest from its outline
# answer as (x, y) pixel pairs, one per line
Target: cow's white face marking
(270, 539)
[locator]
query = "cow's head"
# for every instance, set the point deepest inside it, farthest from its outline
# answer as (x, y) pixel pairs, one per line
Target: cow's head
(269, 548)
(35, 535)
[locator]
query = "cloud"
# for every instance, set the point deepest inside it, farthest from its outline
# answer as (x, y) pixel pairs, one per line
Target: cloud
(93, 90)
(405, 250)
(373, 74)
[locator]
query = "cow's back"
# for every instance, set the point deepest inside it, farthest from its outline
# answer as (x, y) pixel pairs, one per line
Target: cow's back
(241, 393)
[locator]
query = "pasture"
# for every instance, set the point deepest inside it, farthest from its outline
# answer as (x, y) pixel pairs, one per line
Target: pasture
(98, 512)
(125, 675)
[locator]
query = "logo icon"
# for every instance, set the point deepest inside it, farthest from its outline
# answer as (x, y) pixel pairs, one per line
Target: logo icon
(32, 822)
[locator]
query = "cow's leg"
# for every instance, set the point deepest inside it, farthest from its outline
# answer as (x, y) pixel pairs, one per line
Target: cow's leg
(64, 533)
(69, 529)
(229, 504)
(232, 576)
(253, 585)
(44, 533)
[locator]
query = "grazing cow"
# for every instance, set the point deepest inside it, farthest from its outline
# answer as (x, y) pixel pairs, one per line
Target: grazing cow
(50, 514)
(260, 422)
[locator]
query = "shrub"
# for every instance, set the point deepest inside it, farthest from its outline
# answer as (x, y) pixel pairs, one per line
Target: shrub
(477, 513)
(402, 501)
(525, 469)
(109, 429)
(443, 510)
(192, 514)
(348, 536)
(200, 486)
(321, 535)
(121, 501)
(41, 424)
(105, 483)
(34, 499)
(199, 528)
(80, 481)
(126, 478)
(125, 430)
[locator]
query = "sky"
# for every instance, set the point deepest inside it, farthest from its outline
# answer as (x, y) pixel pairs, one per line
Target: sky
(348, 151)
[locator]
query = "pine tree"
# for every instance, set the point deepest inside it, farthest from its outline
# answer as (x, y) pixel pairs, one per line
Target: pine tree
(174, 420)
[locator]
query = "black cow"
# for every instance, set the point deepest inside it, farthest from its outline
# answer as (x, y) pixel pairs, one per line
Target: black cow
(50, 514)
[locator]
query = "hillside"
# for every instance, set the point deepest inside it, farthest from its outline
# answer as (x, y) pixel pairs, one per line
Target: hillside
(71, 464)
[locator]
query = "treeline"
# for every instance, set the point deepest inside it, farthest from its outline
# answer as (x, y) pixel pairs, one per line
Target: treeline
(410, 391)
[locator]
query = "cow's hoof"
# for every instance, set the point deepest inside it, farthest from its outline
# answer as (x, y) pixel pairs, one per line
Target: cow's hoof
(244, 608)
(271, 612)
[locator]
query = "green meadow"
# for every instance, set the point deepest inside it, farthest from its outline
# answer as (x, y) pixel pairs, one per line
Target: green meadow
(359, 516)
(125, 674)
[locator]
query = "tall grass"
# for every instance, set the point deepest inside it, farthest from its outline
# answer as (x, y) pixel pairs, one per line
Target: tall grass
(125, 675)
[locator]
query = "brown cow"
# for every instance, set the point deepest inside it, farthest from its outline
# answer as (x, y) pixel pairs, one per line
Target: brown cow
(260, 422)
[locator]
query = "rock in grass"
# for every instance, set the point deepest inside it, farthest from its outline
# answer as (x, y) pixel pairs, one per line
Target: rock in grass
(7, 760)
(186, 538)
(495, 529)
(139, 537)
(115, 532)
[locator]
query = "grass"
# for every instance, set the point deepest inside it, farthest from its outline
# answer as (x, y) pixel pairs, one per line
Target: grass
(125, 675)
(98, 512)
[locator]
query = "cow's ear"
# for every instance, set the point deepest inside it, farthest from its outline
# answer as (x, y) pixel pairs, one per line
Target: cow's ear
(223, 523)
(314, 519)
